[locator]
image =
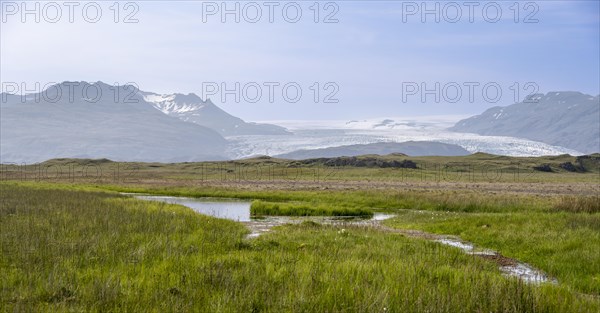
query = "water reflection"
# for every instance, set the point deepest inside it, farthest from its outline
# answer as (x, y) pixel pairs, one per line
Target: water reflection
(228, 209)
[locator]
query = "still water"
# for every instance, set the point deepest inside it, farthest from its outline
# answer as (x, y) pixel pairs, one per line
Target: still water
(228, 209)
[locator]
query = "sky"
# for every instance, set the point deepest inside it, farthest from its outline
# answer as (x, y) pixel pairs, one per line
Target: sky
(335, 60)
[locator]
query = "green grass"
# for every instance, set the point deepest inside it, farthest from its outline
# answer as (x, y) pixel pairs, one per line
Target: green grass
(389, 200)
(362, 200)
(564, 245)
(259, 208)
(78, 250)
(63, 248)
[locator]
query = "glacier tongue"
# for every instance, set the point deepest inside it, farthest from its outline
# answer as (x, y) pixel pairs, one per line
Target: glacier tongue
(324, 134)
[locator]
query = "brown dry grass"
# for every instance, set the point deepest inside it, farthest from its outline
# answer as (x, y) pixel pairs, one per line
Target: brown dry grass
(580, 204)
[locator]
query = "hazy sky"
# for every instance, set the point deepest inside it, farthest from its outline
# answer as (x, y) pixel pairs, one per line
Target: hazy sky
(374, 51)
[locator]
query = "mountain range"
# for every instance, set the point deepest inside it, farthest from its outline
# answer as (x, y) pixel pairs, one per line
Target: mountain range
(568, 119)
(99, 121)
(122, 123)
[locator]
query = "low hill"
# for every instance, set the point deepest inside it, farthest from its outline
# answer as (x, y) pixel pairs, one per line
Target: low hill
(410, 148)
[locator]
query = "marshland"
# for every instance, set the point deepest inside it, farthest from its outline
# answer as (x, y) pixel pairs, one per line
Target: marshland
(82, 242)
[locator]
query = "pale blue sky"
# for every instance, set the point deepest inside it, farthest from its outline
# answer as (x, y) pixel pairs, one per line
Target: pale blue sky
(369, 54)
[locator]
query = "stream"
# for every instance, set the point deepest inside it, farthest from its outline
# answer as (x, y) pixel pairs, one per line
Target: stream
(239, 210)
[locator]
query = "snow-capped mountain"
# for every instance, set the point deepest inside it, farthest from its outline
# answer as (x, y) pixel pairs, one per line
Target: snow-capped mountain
(568, 119)
(191, 108)
(83, 120)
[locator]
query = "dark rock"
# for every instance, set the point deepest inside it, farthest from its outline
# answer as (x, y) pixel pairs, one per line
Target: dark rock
(367, 162)
(543, 168)
(570, 167)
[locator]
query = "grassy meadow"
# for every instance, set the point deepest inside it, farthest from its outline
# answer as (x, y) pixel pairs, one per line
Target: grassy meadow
(479, 168)
(262, 208)
(74, 243)
(565, 245)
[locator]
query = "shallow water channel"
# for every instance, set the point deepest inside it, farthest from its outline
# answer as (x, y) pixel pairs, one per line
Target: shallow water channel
(239, 210)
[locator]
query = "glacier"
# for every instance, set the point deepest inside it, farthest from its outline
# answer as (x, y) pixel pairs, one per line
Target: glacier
(333, 133)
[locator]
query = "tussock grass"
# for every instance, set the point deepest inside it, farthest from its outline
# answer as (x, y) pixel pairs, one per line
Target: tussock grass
(259, 208)
(578, 204)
